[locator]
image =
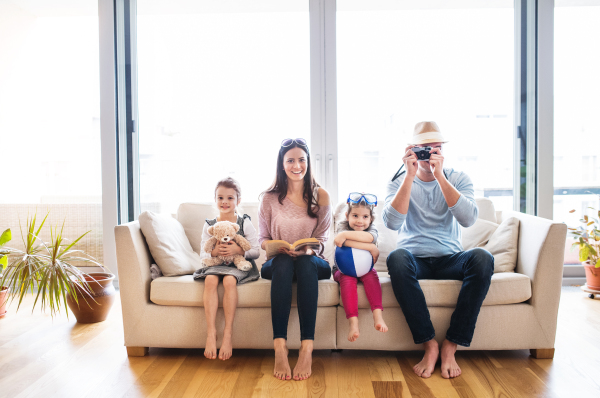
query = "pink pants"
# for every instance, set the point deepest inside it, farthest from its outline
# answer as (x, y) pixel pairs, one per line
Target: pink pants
(348, 286)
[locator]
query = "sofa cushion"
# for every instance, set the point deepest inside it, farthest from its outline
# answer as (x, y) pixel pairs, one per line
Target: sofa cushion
(500, 240)
(185, 291)
(168, 244)
(506, 288)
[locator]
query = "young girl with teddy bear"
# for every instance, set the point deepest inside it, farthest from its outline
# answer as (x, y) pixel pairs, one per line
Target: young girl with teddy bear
(227, 197)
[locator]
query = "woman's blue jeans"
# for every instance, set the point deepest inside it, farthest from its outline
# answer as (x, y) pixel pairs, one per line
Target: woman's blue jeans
(283, 270)
(474, 267)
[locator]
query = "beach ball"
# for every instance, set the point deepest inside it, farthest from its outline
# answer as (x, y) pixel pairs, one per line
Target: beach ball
(353, 262)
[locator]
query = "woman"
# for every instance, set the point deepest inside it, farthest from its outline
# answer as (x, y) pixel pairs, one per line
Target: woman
(293, 208)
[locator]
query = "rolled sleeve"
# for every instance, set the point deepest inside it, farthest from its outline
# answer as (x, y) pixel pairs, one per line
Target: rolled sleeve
(465, 210)
(392, 218)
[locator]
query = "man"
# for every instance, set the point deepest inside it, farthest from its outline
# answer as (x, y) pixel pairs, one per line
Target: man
(426, 203)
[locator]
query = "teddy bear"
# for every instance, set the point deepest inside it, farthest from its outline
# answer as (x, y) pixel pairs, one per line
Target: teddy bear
(225, 232)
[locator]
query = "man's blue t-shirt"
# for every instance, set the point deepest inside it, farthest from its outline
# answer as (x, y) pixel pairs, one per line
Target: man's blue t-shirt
(431, 228)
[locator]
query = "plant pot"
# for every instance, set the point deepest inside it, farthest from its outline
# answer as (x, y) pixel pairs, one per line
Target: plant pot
(103, 292)
(592, 276)
(3, 300)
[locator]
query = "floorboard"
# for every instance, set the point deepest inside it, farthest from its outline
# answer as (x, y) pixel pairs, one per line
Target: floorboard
(45, 357)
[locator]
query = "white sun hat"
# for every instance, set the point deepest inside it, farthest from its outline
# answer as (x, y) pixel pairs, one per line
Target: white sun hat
(425, 133)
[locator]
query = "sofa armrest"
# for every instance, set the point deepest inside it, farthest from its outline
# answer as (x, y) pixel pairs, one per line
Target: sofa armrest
(541, 256)
(133, 262)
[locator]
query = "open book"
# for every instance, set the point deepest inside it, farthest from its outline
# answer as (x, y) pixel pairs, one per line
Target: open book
(273, 246)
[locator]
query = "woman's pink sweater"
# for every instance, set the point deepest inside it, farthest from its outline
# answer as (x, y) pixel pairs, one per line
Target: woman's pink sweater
(290, 222)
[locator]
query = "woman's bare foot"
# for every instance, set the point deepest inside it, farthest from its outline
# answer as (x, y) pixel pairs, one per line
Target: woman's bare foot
(427, 365)
(303, 368)
(225, 351)
(210, 350)
(450, 368)
(379, 322)
(353, 333)
(282, 366)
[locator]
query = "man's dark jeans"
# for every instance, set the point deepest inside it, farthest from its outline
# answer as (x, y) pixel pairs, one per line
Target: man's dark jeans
(307, 270)
(474, 267)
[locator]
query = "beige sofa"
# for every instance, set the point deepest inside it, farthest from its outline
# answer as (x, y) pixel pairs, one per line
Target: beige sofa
(519, 312)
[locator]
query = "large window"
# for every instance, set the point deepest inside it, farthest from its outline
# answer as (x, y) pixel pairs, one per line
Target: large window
(576, 128)
(220, 85)
(399, 63)
(50, 118)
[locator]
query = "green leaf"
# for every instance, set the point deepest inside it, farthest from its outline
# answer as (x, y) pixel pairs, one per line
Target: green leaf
(584, 253)
(5, 237)
(3, 262)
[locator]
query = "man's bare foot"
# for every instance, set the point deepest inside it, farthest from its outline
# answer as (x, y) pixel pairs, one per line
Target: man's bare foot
(303, 368)
(353, 333)
(210, 350)
(427, 365)
(450, 368)
(379, 322)
(225, 351)
(282, 366)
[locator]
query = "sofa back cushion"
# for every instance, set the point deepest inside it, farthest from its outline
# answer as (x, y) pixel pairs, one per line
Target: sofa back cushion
(168, 244)
(192, 216)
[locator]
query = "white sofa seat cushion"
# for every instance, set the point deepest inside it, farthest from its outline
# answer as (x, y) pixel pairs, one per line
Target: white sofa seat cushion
(187, 292)
(506, 288)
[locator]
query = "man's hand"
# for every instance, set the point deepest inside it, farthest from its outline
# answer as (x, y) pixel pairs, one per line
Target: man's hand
(230, 249)
(436, 163)
(411, 163)
(340, 239)
(375, 253)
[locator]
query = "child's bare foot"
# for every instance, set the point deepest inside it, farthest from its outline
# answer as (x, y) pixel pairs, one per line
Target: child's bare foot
(427, 365)
(210, 350)
(282, 366)
(225, 351)
(303, 368)
(450, 368)
(353, 333)
(379, 322)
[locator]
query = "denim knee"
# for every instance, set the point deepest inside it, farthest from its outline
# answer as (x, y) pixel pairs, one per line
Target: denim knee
(400, 261)
(482, 262)
(282, 264)
(305, 265)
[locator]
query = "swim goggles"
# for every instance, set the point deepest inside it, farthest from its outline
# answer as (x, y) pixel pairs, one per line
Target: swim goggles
(357, 197)
(289, 141)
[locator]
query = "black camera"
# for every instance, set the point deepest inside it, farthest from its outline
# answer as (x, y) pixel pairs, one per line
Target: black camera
(422, 152)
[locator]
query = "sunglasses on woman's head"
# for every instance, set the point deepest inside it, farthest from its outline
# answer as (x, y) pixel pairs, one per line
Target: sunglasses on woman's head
(357, 197)
(289, 141)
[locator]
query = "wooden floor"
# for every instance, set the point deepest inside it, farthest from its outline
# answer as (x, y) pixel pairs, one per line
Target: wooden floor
(44, 358)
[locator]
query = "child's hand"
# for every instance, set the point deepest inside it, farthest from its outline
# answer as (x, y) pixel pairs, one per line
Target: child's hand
(340, 239)
(215, 251)
(375, 253)
(230, 249)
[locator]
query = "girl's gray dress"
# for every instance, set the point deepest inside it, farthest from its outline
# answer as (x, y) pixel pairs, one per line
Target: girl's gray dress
(231, 269)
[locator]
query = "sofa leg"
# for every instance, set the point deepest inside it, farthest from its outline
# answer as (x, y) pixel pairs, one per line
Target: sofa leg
(137, 351)
(542, 353)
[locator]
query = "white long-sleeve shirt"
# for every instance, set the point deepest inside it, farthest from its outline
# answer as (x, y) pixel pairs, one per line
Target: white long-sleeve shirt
(250, 234)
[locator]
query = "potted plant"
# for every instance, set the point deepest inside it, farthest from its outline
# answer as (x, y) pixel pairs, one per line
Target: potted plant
(50, 267)
(4, 238)
(587, 239)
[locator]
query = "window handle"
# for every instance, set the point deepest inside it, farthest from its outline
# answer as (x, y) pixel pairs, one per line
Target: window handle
(318, 167)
